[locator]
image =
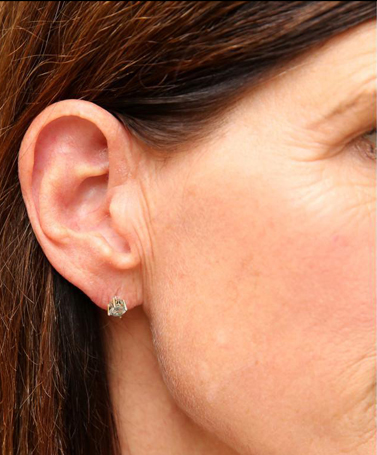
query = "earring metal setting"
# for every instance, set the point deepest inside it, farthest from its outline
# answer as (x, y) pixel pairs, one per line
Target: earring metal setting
(116, 307)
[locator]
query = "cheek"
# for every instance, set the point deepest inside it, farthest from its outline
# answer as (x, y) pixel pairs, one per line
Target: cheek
(326, 264)
(331, 248)
(335, 273)
(263, 300)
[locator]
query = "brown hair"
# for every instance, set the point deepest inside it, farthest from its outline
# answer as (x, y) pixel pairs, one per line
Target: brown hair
(168, 71)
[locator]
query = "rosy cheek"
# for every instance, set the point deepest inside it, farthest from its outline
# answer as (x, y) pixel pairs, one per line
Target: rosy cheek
(335, 275)
(356, 253)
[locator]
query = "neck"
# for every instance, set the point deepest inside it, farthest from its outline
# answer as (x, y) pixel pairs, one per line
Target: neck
(148, 419)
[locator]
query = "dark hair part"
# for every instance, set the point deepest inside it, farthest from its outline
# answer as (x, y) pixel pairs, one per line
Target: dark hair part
(169, 71)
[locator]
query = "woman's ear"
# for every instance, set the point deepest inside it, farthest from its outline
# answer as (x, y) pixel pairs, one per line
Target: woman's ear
(77, 172)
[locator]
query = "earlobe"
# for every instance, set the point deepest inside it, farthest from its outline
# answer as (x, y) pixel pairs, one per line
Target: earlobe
(68, 180)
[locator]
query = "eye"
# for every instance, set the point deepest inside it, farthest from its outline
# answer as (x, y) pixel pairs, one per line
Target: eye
(371, 136)
(366, 144)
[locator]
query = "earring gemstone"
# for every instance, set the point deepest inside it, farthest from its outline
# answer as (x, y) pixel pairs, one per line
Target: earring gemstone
(117, 307)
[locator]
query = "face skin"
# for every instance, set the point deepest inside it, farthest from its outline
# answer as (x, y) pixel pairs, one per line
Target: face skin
(248, 263)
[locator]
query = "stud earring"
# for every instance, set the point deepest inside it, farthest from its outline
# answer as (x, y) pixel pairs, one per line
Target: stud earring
(117, 307)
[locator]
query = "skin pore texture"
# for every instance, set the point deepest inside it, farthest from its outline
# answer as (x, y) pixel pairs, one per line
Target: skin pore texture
(248, 263)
